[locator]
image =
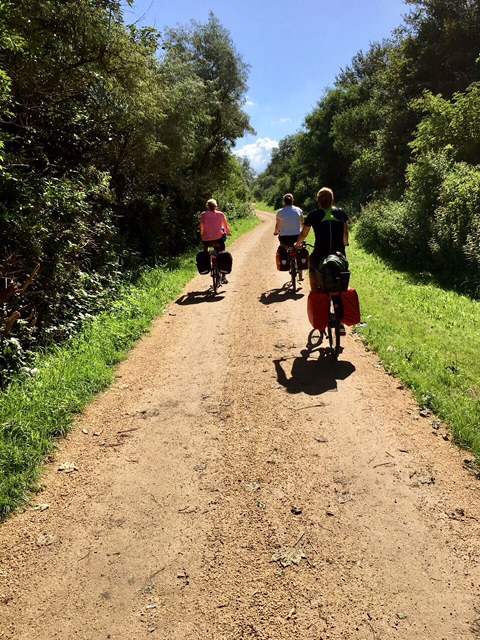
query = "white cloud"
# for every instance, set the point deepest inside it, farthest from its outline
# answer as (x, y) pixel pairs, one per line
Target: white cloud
(258, 152)
(281, 121)
(249, 103)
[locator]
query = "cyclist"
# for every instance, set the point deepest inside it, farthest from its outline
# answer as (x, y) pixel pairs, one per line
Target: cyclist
(288, 224)
(214, 228)
(330, 225)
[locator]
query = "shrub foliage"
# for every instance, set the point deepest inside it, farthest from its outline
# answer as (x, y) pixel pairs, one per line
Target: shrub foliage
(111, 138)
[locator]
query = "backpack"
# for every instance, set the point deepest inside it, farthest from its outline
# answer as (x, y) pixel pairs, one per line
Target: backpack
(335, 262)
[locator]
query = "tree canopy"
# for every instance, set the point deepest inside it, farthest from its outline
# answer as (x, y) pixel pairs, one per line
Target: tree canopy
(111, 139)
(396, 132)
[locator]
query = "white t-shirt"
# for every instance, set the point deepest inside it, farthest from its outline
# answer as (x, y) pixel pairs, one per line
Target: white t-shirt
(290, 220)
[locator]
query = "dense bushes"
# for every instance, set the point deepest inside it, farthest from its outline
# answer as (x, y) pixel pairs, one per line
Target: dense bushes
(435, 227)
(391, 229)
(111, 139)
(455, 230)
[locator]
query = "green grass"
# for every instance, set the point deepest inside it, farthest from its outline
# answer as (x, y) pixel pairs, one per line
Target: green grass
(262, 206)
(34, 413)
(425, 335)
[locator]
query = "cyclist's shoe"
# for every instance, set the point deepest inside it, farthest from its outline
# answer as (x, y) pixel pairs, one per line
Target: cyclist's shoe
(224, 279)
(342, 330)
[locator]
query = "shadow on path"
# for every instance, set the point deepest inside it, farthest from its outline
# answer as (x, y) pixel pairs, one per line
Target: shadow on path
(280, 295)
(313, 376)
(197, 297)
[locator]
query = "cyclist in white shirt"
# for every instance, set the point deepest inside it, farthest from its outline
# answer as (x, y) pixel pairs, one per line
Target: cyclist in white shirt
(289, 224)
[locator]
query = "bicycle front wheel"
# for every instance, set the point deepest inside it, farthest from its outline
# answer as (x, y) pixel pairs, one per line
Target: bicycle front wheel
(294, 281)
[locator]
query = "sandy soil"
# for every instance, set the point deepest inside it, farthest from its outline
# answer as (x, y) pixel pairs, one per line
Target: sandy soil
(221, 446)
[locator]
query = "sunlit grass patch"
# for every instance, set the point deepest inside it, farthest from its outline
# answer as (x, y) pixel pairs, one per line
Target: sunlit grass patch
(427, 336)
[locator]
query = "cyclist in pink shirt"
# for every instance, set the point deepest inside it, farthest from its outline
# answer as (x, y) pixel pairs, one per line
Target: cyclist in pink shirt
(213, 227)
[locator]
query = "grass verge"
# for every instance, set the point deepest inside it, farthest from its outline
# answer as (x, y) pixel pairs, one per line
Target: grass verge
(428, 337)
(34, 413)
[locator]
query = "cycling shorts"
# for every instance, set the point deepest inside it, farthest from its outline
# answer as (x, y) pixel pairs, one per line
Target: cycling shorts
(217, 244)
(289, 241)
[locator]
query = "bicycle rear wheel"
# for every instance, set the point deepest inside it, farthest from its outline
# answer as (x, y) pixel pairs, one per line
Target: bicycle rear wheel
(293, 273)
(215, 279)
(333, 332)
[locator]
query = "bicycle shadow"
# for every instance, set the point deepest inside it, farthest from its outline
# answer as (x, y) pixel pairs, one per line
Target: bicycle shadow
(197, 297)
(313, 376)
(280, 295)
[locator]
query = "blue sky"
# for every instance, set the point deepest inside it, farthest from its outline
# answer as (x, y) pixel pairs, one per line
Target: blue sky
(295, 49)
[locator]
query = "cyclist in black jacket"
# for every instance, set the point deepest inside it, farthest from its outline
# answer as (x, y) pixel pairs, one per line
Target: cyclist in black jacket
(330, 225)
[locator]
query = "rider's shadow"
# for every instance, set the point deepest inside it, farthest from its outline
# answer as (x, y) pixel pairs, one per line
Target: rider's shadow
(280, 295)
(197, 297)
(313, 376)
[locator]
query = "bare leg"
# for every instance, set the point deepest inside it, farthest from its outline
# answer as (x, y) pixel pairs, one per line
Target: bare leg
(313, 280)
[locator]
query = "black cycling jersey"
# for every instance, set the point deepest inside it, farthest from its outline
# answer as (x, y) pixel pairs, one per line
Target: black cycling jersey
(328, 233)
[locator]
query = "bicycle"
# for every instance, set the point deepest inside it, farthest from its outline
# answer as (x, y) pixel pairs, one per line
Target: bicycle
(296, 274)
(333, 330)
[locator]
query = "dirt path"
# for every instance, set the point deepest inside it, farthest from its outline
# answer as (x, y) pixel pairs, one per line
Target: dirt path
(220, 444)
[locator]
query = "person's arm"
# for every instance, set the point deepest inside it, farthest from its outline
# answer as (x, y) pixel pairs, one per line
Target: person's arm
(303, 234)
(277, 226)
(226, 227)
(345, 234)
(202, 224)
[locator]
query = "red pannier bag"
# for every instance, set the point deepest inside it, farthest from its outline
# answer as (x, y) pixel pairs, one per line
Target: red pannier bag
(317, 309)
(351, 307)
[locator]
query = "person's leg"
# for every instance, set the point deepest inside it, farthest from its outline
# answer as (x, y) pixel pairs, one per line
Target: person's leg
(312, 274)
(313, 271)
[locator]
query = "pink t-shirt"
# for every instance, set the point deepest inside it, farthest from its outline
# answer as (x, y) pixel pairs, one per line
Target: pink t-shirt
(213, 224)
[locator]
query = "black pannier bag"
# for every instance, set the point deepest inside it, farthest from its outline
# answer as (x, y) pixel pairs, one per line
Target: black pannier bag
(203, 262)
(282, 259)
(333, 274)
(302, 258)
(224, 262)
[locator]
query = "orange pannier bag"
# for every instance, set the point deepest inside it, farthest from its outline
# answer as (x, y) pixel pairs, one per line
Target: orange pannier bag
(317, 309)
